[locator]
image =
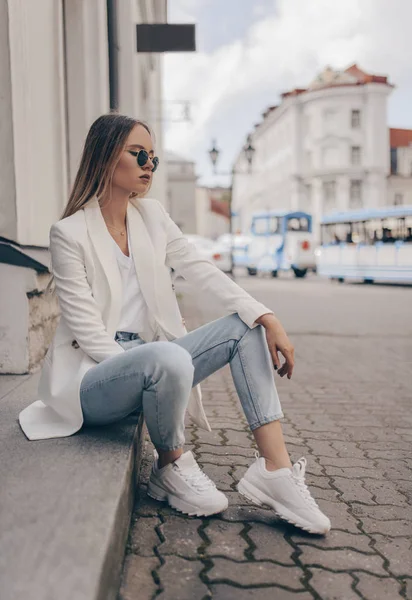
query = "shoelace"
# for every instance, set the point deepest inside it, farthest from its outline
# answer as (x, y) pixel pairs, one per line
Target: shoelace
(196, 478)
(298, 474)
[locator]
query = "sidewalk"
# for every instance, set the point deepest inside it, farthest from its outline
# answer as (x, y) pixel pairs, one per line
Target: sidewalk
(358, 472)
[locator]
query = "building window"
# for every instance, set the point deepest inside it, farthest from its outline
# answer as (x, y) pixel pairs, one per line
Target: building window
(394, 161)
(398, 200)
(356, 119)
(329, 195)
(355, 155)
(355, 200)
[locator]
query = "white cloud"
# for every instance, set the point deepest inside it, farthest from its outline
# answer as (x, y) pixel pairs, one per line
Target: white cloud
(283, 49)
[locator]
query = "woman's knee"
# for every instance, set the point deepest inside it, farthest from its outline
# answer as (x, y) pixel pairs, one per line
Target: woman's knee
(173, 360)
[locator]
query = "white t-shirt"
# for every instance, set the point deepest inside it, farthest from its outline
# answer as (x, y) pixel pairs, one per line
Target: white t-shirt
(134, 312)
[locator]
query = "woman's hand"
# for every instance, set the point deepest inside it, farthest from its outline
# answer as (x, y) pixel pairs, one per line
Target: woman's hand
(278, 341)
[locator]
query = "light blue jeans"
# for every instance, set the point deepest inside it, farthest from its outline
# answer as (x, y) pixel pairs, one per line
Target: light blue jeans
(157, 377)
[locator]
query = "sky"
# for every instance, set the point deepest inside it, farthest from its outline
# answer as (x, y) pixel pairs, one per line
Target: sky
(250, 51)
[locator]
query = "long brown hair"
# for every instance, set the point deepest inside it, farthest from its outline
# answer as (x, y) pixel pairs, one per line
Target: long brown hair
(104, 144)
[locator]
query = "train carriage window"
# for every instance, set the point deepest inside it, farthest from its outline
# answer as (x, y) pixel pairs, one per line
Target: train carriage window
(260, 226)
(298, 224)
(274, 225)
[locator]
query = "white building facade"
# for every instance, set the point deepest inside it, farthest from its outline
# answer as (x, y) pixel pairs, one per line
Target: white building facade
(181, 191)
(62, 64)
(212, 211)
(324, 148)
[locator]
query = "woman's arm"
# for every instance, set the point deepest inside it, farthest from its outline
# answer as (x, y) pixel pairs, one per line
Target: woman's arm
(183, 257)
(77, 305)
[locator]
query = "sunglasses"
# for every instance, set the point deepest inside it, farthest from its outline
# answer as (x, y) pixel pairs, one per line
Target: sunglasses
(142, 157)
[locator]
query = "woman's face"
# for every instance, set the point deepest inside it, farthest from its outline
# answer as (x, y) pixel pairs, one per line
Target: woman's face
(128, 175)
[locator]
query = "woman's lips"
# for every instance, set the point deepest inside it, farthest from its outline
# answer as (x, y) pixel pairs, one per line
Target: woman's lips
(145, 178)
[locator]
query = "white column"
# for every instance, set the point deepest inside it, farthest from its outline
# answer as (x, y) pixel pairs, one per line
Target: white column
(38, 109)
(87, 71)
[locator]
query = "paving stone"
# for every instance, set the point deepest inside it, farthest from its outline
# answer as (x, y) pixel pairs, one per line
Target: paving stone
(181, 536)
(228, 592)
(143, 536)
(322, 448)
(230, 460)
(220, 475)
(228, 425)
(234, 451)
(331, 495)
(332, 586)
(270, 544)
(353, 490)
(381, 513)
(378, 588)
(137, 579)
(385, 492)
(318, 481)
(146, 506)
(208, 437)
(236, 499)
(335, 539)
(239, 438)
(353, 472)
(180, 579)
(391, 528)
(398, 551)
(226, 540)
(339, 515)
(255, 573)
(248, 513)
(342, 560)
(347, 449)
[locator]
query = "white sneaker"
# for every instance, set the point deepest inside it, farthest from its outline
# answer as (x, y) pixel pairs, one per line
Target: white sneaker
(286, 492)
(186, 488)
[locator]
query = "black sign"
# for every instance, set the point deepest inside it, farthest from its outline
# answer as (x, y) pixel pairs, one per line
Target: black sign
(165, 38)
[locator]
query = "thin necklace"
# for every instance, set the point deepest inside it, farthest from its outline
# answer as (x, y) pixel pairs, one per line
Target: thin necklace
(121, 232)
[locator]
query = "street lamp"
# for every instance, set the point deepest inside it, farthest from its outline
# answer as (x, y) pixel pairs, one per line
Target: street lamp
(214, 153)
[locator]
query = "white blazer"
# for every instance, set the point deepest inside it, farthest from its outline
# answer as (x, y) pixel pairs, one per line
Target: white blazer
(89, 289)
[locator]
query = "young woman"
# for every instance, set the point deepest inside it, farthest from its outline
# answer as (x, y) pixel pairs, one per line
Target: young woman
(121, 344)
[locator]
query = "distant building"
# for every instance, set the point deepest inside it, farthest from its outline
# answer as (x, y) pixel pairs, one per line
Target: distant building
(324, 148)
(400, 180)
(181, 192)
(212, 209)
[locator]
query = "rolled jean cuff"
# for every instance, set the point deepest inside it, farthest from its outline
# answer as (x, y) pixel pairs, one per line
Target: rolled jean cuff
(266, 420)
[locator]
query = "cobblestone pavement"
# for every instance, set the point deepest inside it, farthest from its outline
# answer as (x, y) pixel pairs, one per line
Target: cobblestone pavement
(348, 410)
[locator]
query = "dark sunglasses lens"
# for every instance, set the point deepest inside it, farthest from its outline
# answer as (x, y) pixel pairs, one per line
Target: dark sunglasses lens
(155, 162)
(142, 158)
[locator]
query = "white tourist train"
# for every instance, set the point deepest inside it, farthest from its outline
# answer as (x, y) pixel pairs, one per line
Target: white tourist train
(368, 245)
(281, 241)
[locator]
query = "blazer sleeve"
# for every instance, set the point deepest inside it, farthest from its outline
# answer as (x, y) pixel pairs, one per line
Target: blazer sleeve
(183, 257)
(77, 305)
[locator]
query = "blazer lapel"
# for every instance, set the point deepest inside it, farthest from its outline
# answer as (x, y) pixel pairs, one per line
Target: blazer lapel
(103, 245)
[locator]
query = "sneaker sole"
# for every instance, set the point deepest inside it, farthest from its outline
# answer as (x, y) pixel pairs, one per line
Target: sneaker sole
(252, 493)
(158, 493)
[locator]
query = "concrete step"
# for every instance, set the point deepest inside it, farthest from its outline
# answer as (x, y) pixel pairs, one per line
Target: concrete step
(65, 504)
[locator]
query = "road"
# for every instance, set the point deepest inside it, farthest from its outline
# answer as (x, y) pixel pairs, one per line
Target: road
(348, 409)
